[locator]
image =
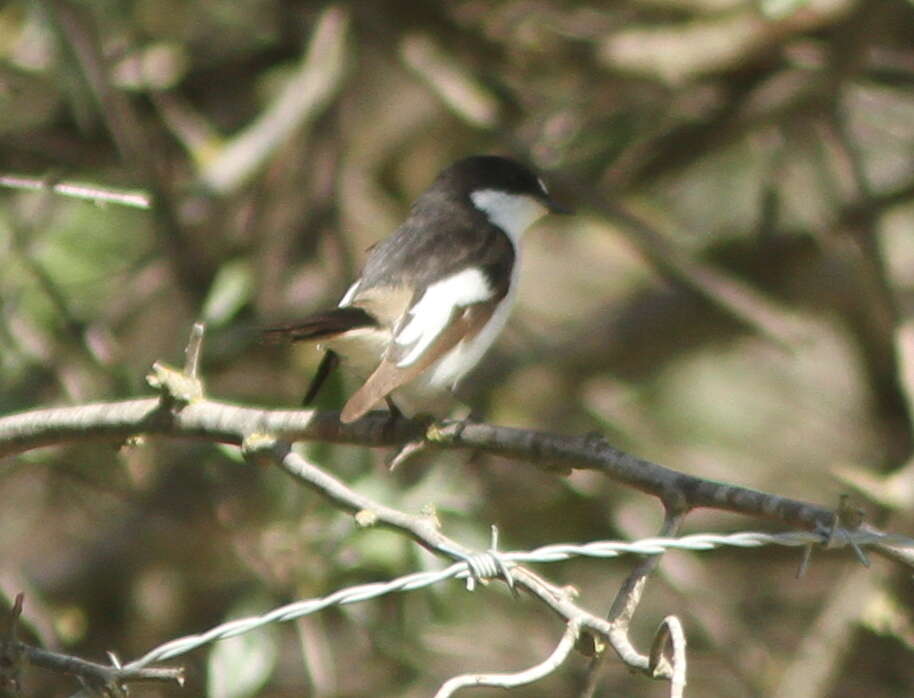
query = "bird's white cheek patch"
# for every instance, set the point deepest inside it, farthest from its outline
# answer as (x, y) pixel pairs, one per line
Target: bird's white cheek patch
(513, 213)
(432, 313)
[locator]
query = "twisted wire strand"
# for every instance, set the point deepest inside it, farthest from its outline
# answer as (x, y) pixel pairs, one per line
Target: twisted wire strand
(473, 567)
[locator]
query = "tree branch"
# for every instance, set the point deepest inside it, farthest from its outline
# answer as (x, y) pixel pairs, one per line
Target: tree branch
(227, 423)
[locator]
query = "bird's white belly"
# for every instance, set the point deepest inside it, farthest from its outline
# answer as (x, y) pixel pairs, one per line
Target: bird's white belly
(454, 365)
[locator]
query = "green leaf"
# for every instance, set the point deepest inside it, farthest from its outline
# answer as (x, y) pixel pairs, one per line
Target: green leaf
(778, 9)
(230, 291)
(240, 666)
(233, 453)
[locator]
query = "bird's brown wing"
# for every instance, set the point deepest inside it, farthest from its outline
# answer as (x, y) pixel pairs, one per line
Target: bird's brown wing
(388, 376)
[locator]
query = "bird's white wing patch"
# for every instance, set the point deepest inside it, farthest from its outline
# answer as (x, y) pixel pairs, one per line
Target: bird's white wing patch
(432, 313)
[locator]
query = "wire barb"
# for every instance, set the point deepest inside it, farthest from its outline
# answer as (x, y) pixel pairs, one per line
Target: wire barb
(846, 523)
(483, 566)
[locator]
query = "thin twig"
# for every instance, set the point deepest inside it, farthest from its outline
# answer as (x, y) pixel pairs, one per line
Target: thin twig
(671, 632)
(86, 192)
(629, 596)
(876, 315)
(11, 651)
(100, 675)
(447, 79)
(306, 93)
(193, 350)
(51, 288)
(110, 679)
(423, 529)
(765, 315)
(623, 610)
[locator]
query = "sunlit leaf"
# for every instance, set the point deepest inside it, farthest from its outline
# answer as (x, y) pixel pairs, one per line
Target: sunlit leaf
(240, 666)
(231, 289)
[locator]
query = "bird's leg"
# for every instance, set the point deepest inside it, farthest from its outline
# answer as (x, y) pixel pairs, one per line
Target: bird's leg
(395, 412)
(407, 450)
(328, 363)
(463, 414)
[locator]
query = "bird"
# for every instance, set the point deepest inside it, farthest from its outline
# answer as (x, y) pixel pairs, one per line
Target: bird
(434, 295)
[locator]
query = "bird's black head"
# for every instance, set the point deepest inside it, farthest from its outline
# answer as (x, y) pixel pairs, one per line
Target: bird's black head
(493, 173)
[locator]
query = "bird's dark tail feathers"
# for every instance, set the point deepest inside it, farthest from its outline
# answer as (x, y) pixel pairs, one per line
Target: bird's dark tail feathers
(317, 327)
(320, 326)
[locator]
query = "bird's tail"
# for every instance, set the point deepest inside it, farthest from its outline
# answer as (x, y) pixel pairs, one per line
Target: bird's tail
(320, 326)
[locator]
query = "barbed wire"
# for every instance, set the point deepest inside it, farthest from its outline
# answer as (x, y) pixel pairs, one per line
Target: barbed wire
(469, 569)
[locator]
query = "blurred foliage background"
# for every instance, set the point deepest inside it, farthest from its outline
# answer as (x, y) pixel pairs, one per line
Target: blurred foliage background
(734, 299)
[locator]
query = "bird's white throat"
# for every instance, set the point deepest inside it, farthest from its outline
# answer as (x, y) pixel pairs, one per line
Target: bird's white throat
(513, 213)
